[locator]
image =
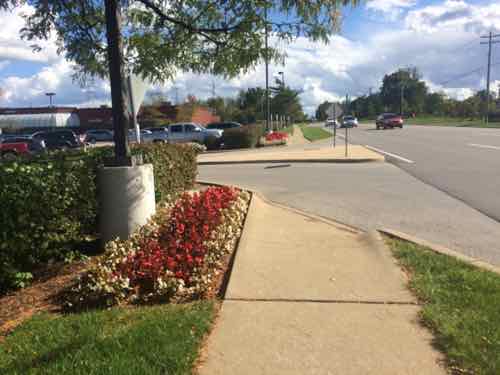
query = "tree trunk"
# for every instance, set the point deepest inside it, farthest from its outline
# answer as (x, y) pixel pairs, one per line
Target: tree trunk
(117, 79)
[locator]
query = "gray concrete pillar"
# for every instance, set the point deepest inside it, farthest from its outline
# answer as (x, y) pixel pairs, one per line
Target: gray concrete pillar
(127, 200)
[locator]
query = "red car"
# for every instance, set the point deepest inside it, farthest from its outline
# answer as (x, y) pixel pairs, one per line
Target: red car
(12, 147)
(389, 120)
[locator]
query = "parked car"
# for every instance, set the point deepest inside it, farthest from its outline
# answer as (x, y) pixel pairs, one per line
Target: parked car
(148, 136)
(191, 132)
(159, 134)
(349, 122)
(98, 135)
(13, 146)
(58, 139)
(389, 120)
(223, 125)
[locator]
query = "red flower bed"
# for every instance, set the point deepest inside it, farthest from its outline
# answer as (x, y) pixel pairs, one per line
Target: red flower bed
(276, 136)
(180, 247)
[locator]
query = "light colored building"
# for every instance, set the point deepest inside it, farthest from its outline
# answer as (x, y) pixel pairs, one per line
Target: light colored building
(49, 117)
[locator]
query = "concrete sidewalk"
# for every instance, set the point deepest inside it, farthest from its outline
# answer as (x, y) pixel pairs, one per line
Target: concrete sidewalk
(292, 155)
(308, 296)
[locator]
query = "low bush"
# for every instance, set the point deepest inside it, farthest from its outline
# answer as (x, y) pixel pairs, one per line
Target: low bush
(49, 203)
(244, 137)
(174, 167)
(175, 256)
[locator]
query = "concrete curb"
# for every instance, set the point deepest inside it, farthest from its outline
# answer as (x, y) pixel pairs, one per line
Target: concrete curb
(440, 250)
(337, 224)
(274, 161)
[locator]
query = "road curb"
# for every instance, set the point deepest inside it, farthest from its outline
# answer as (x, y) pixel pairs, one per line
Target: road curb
(274, 161)
(329, 221)
(440, 250)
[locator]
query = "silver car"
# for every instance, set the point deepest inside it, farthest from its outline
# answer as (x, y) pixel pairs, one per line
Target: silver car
(191, 132)
(349, 122)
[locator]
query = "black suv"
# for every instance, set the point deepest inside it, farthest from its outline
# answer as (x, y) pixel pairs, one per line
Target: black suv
(58, 139)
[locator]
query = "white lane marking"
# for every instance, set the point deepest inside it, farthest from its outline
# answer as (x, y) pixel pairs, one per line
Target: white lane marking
(390, 154)
(484, 146)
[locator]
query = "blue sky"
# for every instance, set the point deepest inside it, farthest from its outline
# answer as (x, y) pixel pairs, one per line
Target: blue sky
(440, 38)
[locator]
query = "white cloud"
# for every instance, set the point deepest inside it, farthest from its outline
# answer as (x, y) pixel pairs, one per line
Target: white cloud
(390, 6)
(13, 47)
(455, 14)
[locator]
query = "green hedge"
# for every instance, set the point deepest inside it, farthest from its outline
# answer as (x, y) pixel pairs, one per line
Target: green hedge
(49, 204)
(246, 136)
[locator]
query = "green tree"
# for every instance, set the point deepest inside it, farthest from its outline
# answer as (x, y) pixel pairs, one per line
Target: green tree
(406, 83)
(322, 111)
(287, 103)
(157, 38)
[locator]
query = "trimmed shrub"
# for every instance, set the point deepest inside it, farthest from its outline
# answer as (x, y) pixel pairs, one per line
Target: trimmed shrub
(244, 137)
(49, 204)
(175, 167)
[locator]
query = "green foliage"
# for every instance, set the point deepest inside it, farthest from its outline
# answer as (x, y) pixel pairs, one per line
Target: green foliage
(49, 204)
(175, 167)
(161, 38)
(314, 134)
(461, 307)
(245, 137)
(162, 339)
(48, 207)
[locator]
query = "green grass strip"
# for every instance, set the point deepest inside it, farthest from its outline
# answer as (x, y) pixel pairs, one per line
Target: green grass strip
(148, 340)
(462, 307)
(314, 134)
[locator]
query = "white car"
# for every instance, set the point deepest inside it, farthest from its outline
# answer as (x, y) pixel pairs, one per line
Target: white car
(331, 122)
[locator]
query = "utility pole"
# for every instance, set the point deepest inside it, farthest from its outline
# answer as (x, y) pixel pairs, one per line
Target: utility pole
(491, 40)
(176, 89)
(213, 89)
(401, 99)
(268, 103)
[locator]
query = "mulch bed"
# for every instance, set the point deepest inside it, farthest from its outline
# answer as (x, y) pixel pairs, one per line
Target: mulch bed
(42, 295)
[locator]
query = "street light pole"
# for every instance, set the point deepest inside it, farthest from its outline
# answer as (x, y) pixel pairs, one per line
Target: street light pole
(282, 79)
(50, 95)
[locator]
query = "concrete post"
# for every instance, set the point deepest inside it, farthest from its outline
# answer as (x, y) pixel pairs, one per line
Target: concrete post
(127, 198)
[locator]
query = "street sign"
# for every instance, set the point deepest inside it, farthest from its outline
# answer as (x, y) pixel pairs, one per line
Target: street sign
(334, 111)
(137, 88)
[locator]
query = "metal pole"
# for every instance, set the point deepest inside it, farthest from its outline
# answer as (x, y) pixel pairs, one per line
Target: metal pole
(488, 79)
(268, 104)
(346, 136)
(117, 80)
(334, 125)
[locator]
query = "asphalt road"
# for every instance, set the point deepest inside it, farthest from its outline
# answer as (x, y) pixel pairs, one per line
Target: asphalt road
(442, 187)
(462, 162)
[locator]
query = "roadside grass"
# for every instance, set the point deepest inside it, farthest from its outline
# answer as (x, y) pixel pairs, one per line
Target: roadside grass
(162, 339)
(314, 134)
(288, 130)
(461, 307)
(442, 121)
(450, 121)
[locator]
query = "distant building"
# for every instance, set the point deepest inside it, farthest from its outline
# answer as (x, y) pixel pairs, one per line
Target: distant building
(89, 118)
(33, 118)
